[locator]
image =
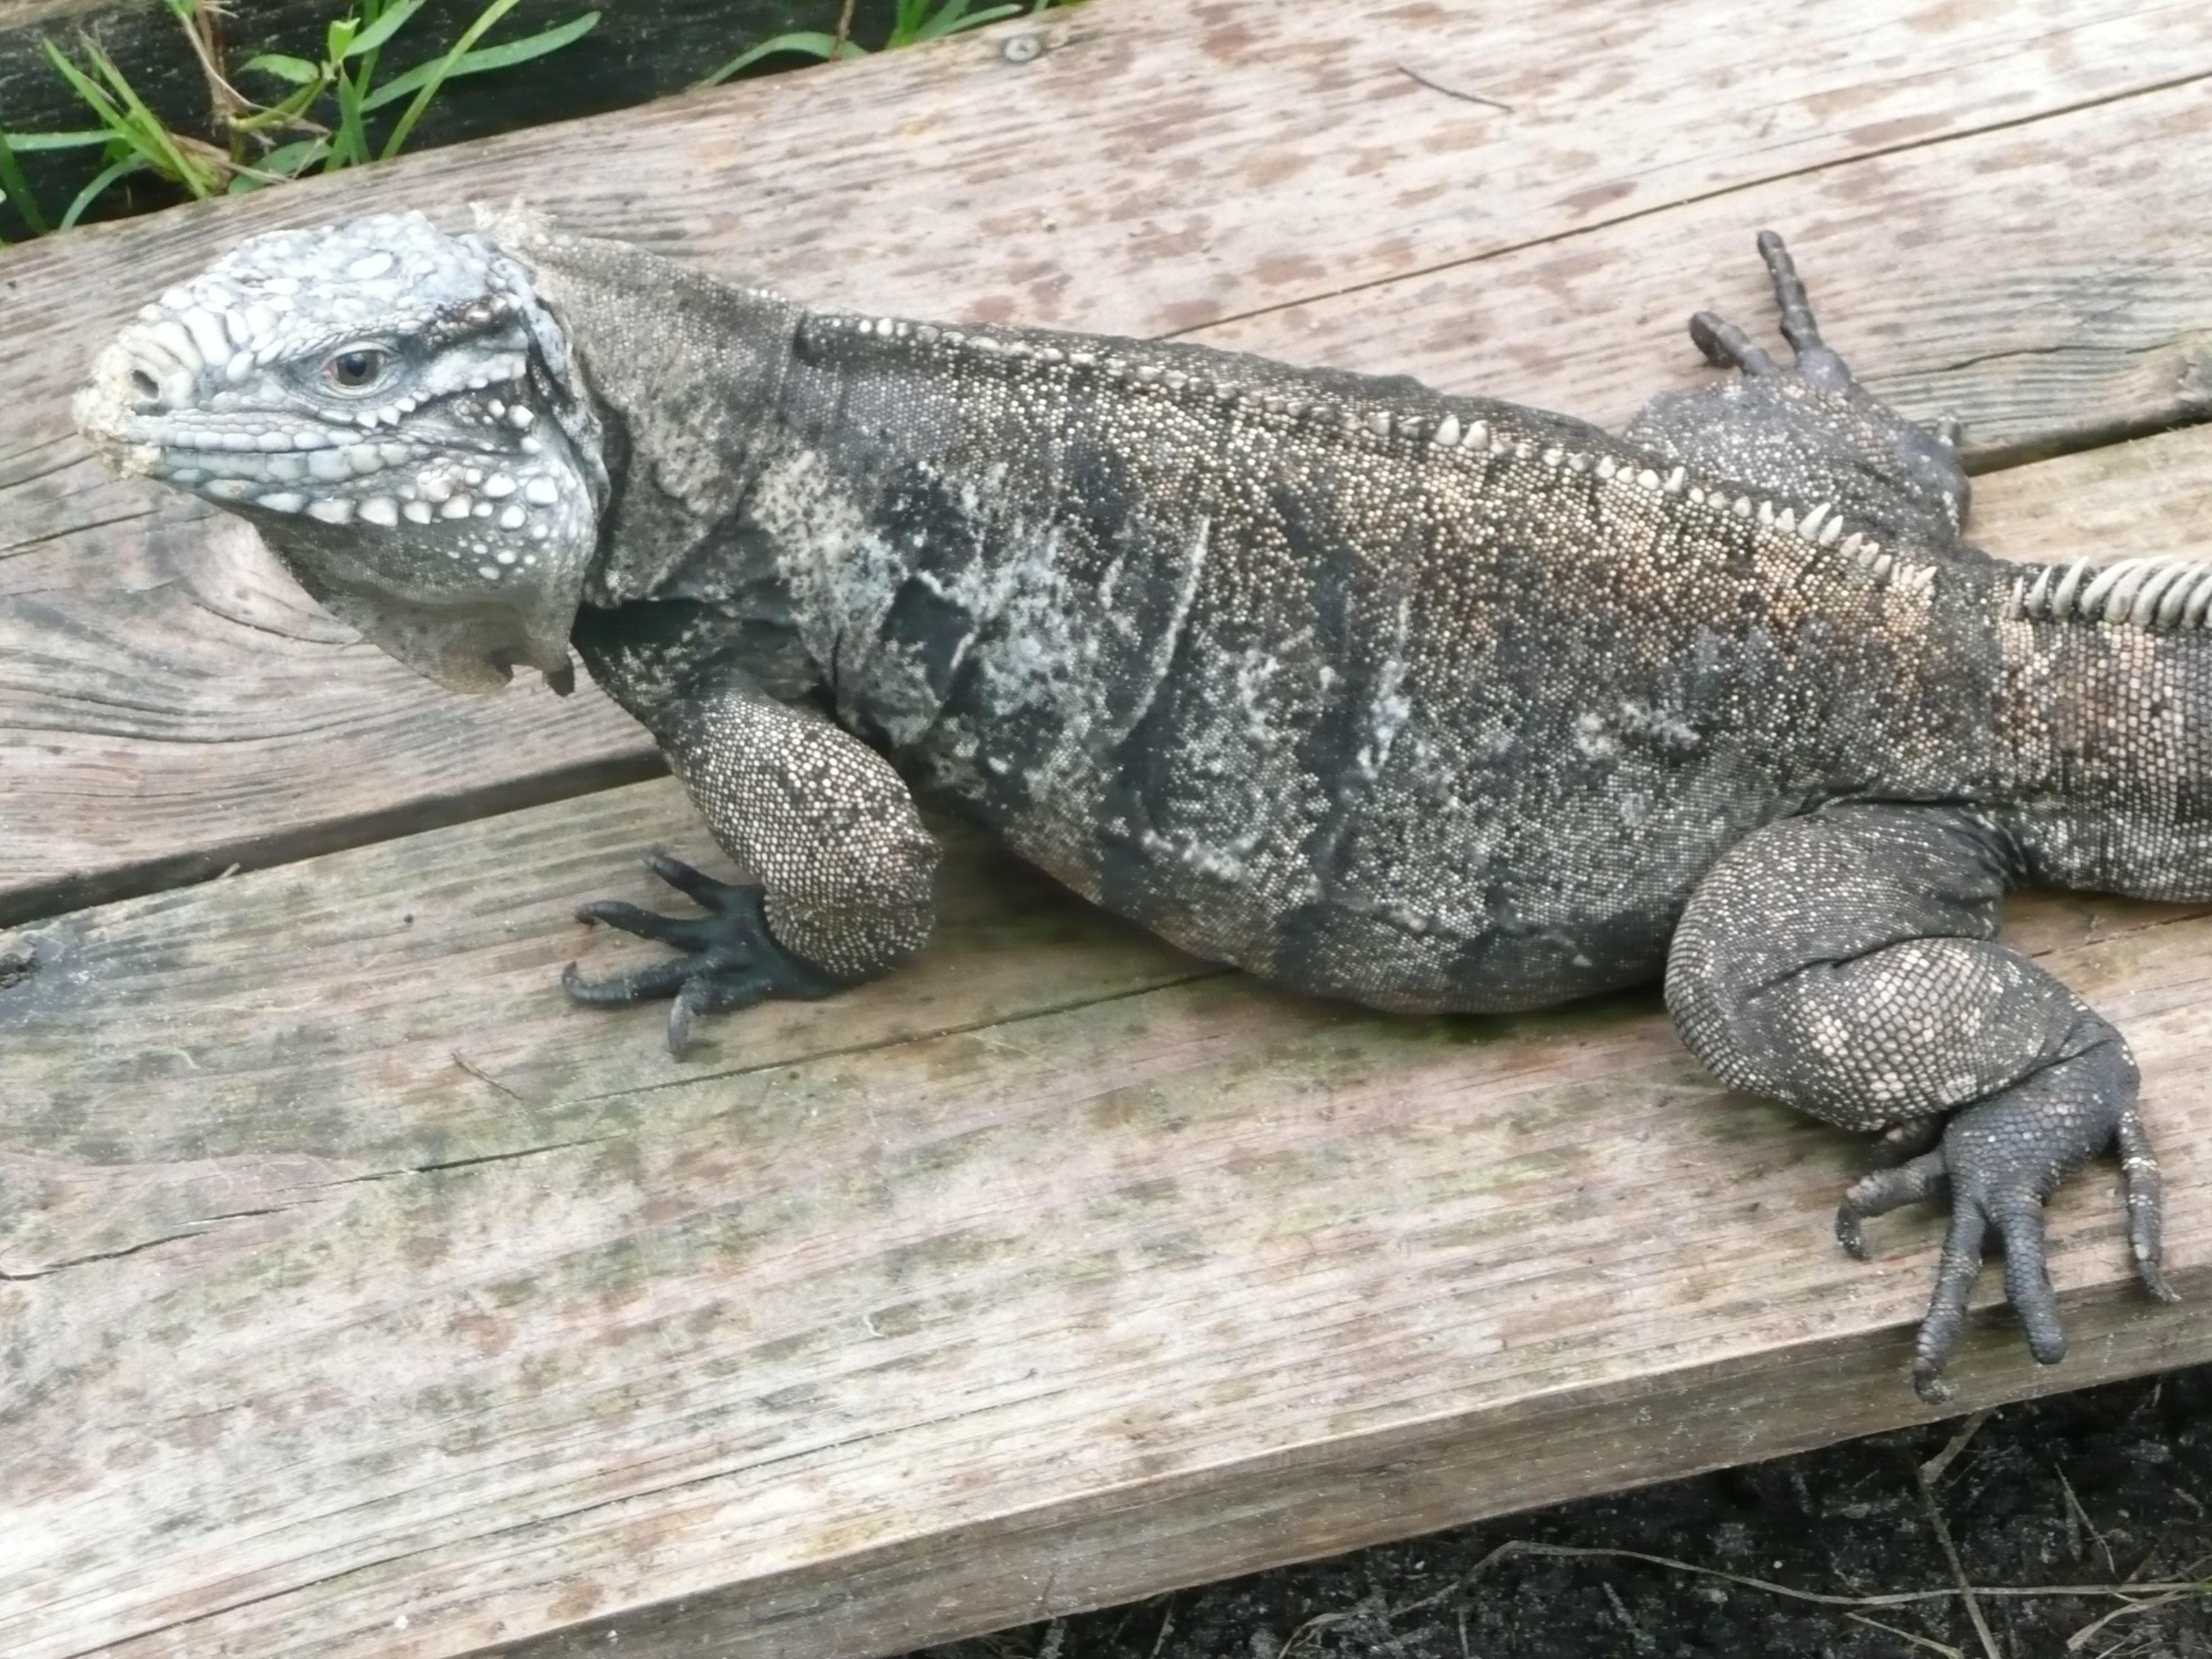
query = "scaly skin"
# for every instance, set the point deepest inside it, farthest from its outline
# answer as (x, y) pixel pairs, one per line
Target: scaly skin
(1434, 703)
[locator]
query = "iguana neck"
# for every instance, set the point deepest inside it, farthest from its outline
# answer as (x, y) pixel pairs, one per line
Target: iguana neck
(691, 381)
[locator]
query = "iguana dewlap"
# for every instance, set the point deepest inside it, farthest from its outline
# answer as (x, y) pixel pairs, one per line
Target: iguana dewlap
(1434, 703)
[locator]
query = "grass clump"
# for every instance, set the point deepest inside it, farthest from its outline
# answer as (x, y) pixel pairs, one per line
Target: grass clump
(322, 120)
(913, 22)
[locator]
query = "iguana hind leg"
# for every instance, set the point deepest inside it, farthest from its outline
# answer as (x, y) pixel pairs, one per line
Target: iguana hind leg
(1844, 962)
(1809, 431)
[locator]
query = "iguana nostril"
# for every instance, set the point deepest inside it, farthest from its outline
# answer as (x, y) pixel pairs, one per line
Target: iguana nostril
(147, 388)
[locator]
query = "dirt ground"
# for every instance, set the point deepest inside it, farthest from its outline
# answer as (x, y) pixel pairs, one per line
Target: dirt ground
(2108, 1486)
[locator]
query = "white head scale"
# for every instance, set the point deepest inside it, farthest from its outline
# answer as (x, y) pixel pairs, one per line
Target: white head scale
(399, 415)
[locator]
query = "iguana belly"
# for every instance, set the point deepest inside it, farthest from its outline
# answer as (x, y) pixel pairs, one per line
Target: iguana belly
(1397, 884)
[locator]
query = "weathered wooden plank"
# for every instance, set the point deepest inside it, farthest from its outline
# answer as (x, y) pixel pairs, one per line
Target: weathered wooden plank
(1965, 278)
(858, 1336)
(362, 1299)
(2150, 498)
(1137, 206)
(203, 712)
(1202, 162)
(332, 998)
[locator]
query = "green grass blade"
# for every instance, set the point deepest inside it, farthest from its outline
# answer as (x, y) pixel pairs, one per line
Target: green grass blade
(136, 131)
(281, 166)
(19, 189)
(25, 143)
(530, 46)
(485, 57)
(956, 17)
(811, 42)
(388, 24)
(485, 21)
(286, 111)
(298, 70)
(108, 175)
(167, 155)
(89, 90)
(349, 143)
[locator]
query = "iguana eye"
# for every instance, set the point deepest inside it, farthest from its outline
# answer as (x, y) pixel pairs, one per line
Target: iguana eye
(356, 368)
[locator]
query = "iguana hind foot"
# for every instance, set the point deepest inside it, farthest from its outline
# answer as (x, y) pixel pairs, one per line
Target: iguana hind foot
(1725, 345)
(2000, 1158)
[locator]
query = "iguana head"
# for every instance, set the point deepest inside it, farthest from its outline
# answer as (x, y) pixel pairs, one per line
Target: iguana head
(401, 418)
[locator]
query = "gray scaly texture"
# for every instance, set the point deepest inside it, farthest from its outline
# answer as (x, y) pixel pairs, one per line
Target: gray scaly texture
(1435, 703)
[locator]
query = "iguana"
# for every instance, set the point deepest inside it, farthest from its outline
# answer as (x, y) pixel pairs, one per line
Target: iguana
(1434, 703)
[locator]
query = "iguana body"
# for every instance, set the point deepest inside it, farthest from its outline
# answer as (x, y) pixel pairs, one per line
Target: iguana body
(1433, 702)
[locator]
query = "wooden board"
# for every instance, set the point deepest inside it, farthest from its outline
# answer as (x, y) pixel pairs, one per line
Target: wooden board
(364, 1299)
(1991, 221)
(360, 1297)
(374, 1303)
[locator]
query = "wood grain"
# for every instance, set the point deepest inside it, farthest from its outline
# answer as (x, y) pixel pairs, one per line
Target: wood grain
(1985, 198)
(1968, 278)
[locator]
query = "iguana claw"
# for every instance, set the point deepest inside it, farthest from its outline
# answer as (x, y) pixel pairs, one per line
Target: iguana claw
(729, 958)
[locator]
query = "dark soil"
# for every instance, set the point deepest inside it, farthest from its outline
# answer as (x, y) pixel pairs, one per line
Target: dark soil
(2109, 1487)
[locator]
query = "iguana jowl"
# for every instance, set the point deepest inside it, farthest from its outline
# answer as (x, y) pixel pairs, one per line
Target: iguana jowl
(1435, 703)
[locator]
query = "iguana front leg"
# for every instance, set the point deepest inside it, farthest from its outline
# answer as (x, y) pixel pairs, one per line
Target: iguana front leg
(1845, 963)
(840, 864)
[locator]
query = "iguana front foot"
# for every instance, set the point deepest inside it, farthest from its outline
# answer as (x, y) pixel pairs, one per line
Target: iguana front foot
(730, 960)
(2001, 1158)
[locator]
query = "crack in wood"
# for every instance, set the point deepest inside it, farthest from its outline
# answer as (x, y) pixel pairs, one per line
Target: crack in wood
(996, 1021)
